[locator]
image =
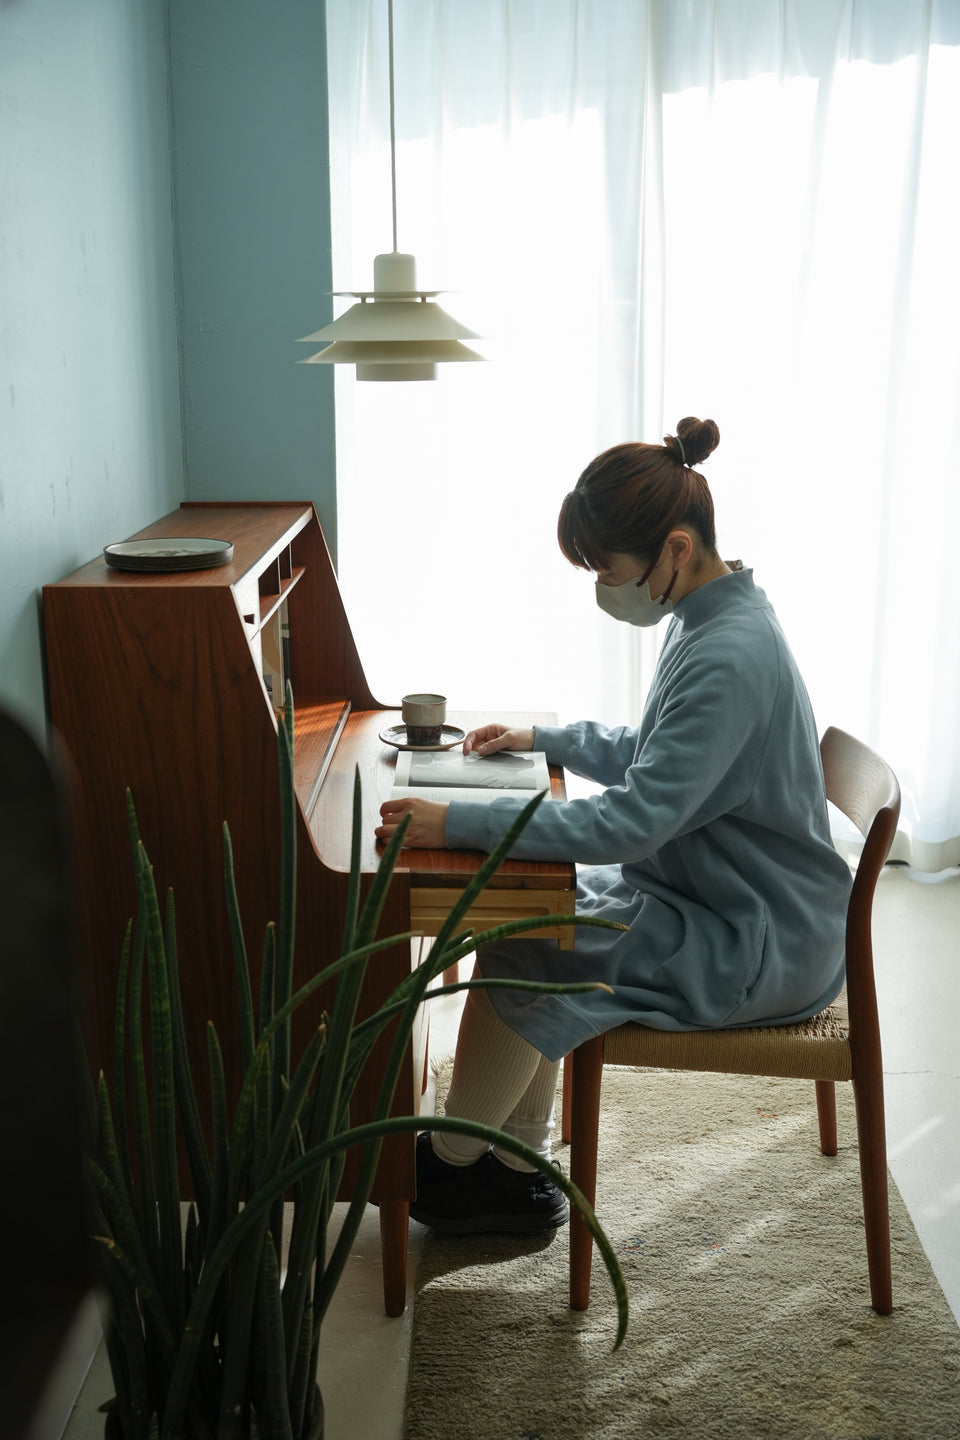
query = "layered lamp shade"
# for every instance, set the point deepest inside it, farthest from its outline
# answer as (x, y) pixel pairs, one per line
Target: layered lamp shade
(395, 331)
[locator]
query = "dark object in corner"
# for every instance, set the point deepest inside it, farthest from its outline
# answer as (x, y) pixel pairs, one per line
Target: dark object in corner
(45, 1271)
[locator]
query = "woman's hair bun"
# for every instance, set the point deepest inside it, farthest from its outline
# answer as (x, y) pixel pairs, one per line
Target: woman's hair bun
(699, 439)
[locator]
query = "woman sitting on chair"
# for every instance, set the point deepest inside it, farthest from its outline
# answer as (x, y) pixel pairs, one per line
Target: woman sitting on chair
(710, 839)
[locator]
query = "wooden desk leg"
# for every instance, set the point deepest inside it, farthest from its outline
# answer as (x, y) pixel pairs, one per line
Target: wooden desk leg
(394, 1223)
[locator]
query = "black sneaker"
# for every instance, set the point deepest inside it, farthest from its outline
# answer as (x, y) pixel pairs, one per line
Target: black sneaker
(489, 1196)
(431, 1170)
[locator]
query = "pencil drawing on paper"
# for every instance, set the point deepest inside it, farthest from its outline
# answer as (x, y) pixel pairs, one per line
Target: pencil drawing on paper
(504, 771)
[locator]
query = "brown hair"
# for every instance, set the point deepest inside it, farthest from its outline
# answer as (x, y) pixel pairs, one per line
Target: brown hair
(629, 498)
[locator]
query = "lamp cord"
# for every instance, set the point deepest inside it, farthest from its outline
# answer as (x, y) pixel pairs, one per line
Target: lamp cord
(393, 126)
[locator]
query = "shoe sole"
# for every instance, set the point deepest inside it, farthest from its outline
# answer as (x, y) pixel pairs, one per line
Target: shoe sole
(487, 1224)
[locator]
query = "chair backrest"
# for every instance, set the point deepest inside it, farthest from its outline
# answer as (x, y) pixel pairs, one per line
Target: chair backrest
(864, 787)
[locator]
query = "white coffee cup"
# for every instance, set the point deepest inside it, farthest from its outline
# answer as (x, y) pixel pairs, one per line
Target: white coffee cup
(423, 715)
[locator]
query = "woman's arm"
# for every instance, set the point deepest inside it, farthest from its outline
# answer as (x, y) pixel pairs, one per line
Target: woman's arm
(696, 762)
(590, 750)
(585, 748)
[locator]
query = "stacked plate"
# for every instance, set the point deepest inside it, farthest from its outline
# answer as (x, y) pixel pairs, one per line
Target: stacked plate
(175, 553)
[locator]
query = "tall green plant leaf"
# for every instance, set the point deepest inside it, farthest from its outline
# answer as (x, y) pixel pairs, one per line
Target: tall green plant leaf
(149, 1304)
(302, 1382)
(219, 1186)
(353, 884)
(273, 1415)
(288, 881)
(164, 1104)
(128, 1340)
(120, 1047)
(268, 973)
(198, 1158)
(241, 968)
(141, 1113)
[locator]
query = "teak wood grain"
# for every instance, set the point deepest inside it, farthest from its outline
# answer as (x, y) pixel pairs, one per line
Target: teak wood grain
(154, 684)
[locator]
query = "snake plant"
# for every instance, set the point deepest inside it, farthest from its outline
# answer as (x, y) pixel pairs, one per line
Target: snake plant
(213, 1319)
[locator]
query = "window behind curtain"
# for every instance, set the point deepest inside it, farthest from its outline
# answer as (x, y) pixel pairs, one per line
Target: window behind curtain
(730, 209)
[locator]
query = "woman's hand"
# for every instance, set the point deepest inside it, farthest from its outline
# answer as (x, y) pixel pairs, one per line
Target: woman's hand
(427, 829)
(491, 738)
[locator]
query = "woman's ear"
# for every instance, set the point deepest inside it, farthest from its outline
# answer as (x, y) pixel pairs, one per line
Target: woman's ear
(678, 547)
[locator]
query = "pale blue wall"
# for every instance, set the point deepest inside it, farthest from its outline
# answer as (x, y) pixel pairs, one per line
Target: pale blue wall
(90, 444)
(253, 227)
(105, 240)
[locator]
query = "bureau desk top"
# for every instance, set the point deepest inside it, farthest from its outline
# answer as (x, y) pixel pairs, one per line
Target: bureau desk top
(257, 531)
(360, 748)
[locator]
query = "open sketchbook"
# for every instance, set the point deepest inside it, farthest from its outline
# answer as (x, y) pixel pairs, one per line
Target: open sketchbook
(451, 775)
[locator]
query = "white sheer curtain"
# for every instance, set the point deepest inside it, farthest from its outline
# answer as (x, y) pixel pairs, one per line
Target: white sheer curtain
(729, 208)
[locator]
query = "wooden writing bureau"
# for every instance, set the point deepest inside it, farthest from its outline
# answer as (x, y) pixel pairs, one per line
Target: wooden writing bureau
(156, 682)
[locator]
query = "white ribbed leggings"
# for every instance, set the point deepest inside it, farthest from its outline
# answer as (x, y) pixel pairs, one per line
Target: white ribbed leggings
(498, 1079)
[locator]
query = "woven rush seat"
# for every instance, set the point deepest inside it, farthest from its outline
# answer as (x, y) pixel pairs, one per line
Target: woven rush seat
(814, 1049)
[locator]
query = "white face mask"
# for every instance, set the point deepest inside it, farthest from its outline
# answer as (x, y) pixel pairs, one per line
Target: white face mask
(633, 602)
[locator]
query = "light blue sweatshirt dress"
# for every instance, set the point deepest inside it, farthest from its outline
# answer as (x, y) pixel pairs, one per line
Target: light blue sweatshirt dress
(710, 841)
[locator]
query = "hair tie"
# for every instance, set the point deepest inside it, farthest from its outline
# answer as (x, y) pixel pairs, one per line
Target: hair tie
(683, 453)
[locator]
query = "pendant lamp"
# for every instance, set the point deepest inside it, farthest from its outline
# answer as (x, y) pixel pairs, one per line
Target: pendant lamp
(396, 331)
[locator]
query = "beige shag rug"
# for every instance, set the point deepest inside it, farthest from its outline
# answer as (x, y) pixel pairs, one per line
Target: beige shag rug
(743, 1252)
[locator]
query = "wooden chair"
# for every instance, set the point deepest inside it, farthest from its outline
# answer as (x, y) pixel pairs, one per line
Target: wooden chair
(841, 1043)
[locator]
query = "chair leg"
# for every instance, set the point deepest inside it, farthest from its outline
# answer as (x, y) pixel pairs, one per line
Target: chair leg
(586, 1064)
(872, 1141)
(566, 1128)
(827, 1115)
